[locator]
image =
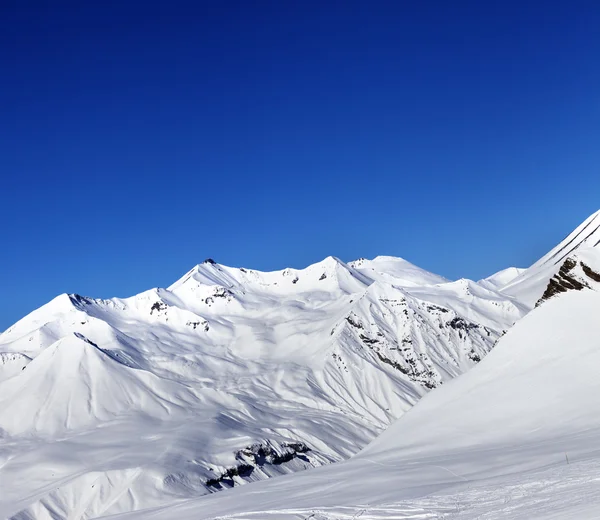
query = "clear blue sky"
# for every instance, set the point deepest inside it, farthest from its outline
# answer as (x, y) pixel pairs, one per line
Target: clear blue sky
(137, 139)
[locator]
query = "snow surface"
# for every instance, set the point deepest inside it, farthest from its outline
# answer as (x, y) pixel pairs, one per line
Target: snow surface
(501, 278)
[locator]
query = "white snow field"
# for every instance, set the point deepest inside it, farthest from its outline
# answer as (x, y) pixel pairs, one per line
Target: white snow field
(233, 376)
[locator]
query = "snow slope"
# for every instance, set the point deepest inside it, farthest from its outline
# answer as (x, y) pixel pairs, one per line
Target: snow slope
(516, 437)
(396, 271)
(228, 376)
(501, 278)
(586, 235)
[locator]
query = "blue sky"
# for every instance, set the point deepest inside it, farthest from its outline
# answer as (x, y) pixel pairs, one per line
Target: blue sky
(137, 139)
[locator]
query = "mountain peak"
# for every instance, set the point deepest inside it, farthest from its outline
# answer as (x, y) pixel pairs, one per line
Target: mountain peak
(587, 234)
(388, 258)
(393, 269)
(330, 261)
(501, 278)
(584, 241)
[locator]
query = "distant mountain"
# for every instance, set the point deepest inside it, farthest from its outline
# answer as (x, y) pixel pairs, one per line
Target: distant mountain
(501, 278)
(232, 375)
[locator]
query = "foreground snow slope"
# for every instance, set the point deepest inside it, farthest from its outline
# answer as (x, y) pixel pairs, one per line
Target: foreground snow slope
(491, 444)
(226, 377)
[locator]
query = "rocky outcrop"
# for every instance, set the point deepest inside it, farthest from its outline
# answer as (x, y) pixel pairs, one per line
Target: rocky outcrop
(256, 456)
(567, 279)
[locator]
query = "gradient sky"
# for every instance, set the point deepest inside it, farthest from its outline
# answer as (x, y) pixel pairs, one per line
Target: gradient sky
(137, 139)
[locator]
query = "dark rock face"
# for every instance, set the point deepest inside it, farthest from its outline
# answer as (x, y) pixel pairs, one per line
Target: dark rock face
(437, 308)
(353, 320)
(461, 324)
(256, 456)
(367, 340)
(242, 470)
(195, 324)
(411, 368)
(590, 273)
(158, 306)
(563, 281)
(219, 292)
(473, 356)
(422, 377)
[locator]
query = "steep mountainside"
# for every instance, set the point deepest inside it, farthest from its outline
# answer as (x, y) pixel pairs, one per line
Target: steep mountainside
(530, 285)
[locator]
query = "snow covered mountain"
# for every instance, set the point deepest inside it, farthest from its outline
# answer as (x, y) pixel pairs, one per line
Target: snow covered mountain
(516, 437)
(229, 375)
(501, 278)
(233, 375)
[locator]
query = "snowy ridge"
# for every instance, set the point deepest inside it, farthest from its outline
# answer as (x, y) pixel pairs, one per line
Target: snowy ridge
(586, 235)
(396, 271)
(501, 278)
(530, 284)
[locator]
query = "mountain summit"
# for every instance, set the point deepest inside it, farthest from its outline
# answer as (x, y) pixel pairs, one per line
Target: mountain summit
(572, 255)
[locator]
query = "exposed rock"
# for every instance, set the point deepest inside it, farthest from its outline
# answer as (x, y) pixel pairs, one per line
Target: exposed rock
(590, 273)
(158, 306)
(256, 456)
(459, 323)
(353, 320)
(563, 281)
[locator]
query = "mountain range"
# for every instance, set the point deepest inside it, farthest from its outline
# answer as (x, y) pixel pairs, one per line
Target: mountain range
(147, 405)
